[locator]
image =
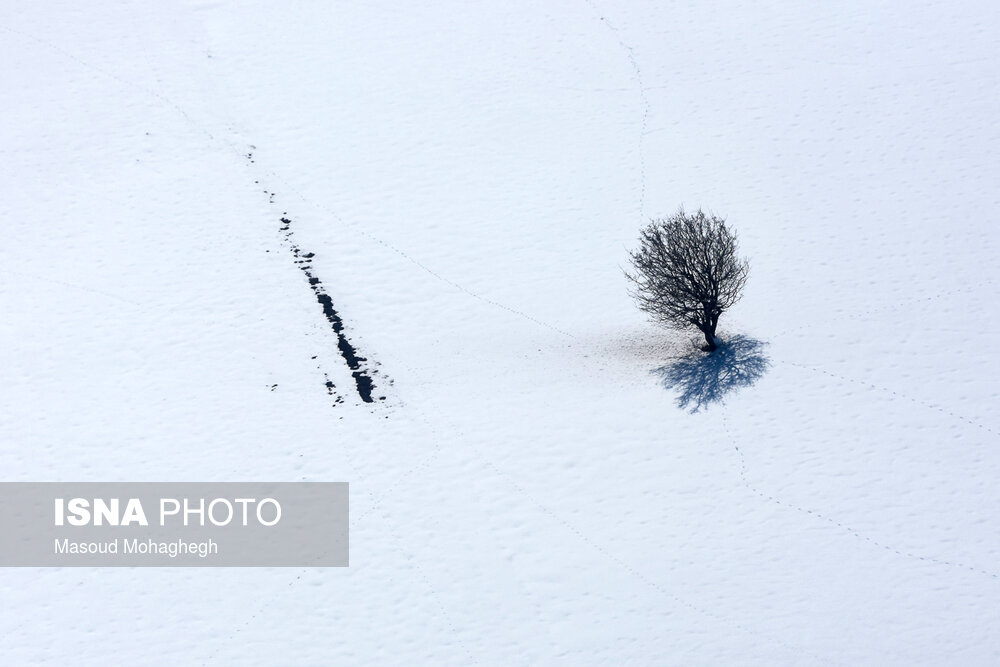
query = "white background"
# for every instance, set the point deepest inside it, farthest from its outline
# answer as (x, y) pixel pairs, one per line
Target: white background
(470, 177)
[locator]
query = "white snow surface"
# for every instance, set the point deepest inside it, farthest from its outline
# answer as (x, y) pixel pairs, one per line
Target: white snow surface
(470, 177)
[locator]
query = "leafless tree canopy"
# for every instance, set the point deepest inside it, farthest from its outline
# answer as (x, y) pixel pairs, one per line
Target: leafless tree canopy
(687, 272)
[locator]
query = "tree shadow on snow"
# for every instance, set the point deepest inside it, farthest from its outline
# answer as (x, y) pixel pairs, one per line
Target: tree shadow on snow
(702, 379)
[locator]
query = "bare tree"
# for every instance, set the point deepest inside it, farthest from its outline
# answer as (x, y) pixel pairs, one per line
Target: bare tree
(686, 272)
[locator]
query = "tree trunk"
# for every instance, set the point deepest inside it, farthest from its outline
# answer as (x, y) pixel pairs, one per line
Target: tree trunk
(711, 340)
(708, 327)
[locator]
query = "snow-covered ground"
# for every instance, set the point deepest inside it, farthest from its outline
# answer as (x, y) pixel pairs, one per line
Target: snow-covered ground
(469, 177)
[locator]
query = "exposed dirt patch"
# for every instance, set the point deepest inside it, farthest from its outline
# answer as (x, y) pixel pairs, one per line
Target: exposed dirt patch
(357, 363)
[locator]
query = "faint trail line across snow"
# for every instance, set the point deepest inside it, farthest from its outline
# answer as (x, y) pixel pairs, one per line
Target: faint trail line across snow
(819, 515)
(242, 154)
(870, 386)
(913, 301)
(435, 452)
(74, 286)
(422, 463)
(410, 559)
(149, 91)
(375, 239)
(630, 53)
(437, 599)
(639, 575)
(348, 452)
(901, 303)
